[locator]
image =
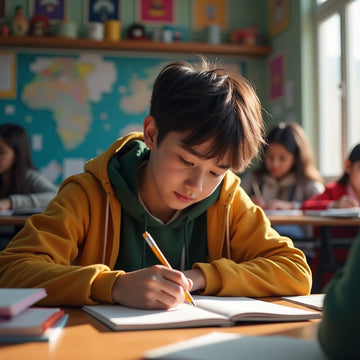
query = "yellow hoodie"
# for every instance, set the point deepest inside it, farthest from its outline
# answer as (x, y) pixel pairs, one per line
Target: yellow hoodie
(71, 248)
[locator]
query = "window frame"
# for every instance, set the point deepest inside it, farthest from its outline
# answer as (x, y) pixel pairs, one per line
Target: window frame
(324, 11)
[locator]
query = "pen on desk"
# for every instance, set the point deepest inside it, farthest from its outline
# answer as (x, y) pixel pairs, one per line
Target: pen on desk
(156, 250)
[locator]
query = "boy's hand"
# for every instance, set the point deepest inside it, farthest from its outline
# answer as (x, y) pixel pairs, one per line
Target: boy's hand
(197, 278)
(156, 287)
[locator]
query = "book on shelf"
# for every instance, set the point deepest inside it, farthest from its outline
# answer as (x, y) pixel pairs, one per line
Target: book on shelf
(313, 301)
(343, 212)
(15, 300)
(210, 311)
(220, 345)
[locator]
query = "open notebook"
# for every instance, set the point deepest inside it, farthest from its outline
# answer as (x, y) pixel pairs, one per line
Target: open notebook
(313, 301)
(210, 311)
(347, 212)
(283, 212)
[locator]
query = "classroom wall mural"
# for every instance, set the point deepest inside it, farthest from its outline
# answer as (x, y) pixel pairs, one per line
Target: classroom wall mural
(74, 106)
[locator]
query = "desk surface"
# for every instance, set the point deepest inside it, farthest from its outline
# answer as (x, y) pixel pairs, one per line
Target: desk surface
(86, 338)
(13, 220)
(312, 220)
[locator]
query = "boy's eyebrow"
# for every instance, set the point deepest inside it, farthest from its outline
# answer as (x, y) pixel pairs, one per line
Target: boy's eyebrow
(197, 154)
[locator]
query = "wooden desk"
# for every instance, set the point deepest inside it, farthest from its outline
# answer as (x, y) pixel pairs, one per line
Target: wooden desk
(13, 220)
(86, 338)
(326, 253)
(312, 220)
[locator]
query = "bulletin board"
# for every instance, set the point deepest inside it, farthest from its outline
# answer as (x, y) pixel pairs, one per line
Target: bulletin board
(7, 75)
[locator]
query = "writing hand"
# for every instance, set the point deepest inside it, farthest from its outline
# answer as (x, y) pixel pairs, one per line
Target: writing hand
(5, 204)
(258, 201)
(279, 205)
(345, 201)
(156, 287)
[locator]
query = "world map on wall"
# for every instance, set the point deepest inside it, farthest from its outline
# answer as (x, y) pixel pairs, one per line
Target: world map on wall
(67, 87)
(74, 106)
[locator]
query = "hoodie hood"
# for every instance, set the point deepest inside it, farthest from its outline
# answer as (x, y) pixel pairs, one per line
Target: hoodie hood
(98, 165)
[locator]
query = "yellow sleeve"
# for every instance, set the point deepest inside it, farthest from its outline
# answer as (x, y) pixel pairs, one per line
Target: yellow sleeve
(262, 262)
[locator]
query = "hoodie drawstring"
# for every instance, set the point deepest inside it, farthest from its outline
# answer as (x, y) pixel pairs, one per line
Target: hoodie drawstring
(185, 258)
(227, 229)
(106, 227)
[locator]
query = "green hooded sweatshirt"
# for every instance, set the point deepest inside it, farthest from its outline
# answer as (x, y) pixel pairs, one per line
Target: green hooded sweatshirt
(182, 241)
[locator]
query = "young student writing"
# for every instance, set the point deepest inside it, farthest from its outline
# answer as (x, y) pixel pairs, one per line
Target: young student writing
(176, 181)
(339, 328)
(287, 174)
(21, 185)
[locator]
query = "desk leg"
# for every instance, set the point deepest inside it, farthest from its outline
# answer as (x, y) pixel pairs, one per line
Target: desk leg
(326, 258)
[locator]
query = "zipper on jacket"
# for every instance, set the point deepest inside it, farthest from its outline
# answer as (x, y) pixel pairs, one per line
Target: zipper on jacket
(106, 224)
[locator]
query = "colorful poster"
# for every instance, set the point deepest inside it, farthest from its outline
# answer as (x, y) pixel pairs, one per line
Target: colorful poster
(156, 11)
(276, 81)
(210, 12)
(54, 10)
(100, 10)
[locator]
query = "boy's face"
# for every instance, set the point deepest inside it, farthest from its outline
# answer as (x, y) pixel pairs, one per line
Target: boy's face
(177, 177)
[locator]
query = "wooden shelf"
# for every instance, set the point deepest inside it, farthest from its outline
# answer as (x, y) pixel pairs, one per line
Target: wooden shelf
(52, 42)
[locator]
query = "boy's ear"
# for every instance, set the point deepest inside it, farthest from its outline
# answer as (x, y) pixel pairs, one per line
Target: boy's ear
(150, 131)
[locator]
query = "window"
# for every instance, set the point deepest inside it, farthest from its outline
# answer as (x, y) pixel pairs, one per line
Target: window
(338, 52)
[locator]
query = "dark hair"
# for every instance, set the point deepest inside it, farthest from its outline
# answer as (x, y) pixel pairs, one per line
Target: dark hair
(353, 157)
(17, 139)
(209, 103)
(293, 137)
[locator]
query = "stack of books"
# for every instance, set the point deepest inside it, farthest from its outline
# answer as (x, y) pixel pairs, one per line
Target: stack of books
(20, 321)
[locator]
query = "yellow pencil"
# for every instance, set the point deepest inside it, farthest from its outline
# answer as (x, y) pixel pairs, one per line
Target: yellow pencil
(151, 242)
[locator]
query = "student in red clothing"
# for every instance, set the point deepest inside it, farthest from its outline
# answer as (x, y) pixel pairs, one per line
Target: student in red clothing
(343, 193)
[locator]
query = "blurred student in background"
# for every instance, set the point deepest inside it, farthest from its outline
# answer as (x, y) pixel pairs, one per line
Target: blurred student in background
(287, 174)
(21, 185)
(343, 193)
